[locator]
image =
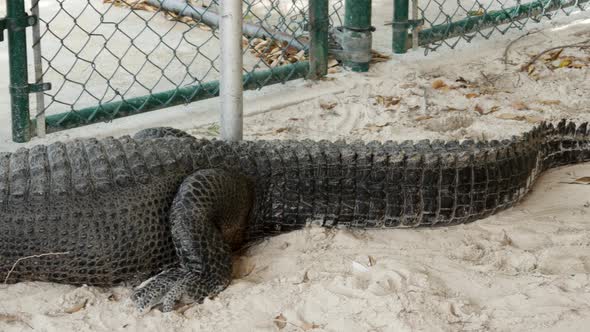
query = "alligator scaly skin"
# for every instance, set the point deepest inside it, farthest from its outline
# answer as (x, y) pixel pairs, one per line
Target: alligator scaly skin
(103, 212)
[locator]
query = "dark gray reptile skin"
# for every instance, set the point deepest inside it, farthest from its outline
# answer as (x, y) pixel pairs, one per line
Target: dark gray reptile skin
(164, 204)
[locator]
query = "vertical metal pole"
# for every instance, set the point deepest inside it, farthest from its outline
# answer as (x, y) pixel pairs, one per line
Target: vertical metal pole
(357, 33)
(231, 86)
(318, 48)
(39, 96)
(400, 26)
(416, 29)
(17, 60)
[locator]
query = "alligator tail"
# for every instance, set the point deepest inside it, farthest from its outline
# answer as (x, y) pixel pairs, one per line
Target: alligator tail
(407, 184)
(564, 144)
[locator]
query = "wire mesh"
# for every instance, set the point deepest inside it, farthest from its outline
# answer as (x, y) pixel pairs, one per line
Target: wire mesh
(448, 23)
(105, 57)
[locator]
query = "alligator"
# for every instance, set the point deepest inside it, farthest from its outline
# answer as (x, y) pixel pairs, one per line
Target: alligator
(164, 211)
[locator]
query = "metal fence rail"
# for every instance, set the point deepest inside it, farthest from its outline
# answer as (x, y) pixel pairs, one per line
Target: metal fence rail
(448, 23)
(98, 60)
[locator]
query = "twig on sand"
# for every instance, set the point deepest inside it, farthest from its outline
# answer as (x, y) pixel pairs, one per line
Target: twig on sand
(9, 318)
(514, 42)
(582, 44)
(29, 257)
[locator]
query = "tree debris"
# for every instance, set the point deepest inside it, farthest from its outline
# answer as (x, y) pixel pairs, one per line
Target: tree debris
(529, 66)
(76, 307)
(280, 321)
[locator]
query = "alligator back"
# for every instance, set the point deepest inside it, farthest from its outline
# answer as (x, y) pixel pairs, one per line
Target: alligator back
(88, 211)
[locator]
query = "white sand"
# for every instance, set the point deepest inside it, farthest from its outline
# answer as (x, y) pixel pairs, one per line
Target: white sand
(524, 269)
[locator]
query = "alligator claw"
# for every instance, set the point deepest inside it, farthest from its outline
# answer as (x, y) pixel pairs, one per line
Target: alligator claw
(168, 287)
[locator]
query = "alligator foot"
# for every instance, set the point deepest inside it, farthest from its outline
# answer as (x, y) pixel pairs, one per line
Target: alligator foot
(171, 285)
(208, 218)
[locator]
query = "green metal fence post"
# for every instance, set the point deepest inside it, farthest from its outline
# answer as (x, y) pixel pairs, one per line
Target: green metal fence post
(16, 22)
(357, 35)
(400, 26)
(318, 47)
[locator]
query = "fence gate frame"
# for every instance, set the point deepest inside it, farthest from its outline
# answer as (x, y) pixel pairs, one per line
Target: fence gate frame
(17, 21)
(410, 33)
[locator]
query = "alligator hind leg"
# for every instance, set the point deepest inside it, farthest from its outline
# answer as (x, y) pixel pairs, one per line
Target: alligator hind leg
(209, 217)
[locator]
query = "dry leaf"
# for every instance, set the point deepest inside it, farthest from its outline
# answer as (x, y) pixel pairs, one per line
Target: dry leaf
(8, 318)
(383, 125)
(261, 45)
(527, 118)
(276, 62)
(439, 84)
(334, 70)
(280, 321)
(452, 109)
(305, 277)
(534, 119)
(309, 326)
(478, 12)
(301, 55)
(332, 63)
(554, 55)
(584, 180)
(550, 102)
(479, 109)
(519, 106)
(372, 261)
(114, 297)
(422, 117)
(377, 127)
(205, 27)
(510, 116)
(471, 95)
(280, 130)
(565, 63)
(407, 85)
(531, 69)
(328, 106)
(387, 101)
(77, 307)
(377, 57)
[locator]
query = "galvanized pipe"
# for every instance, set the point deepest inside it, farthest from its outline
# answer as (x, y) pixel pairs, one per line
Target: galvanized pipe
(211, 18)
(39, 96)
(416, 29)
(230, 85)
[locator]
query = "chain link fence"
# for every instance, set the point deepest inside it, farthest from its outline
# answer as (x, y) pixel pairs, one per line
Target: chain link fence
(106, 59)
(449, 23)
